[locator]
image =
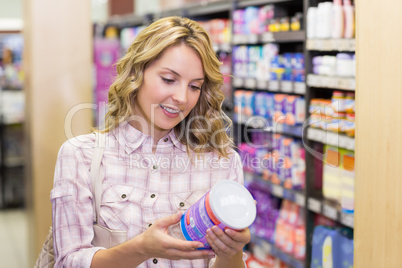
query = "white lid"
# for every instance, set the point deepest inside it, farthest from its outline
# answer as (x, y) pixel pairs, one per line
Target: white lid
(232, 204)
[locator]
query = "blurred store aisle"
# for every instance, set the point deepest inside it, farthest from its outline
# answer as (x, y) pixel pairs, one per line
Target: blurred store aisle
(13, 238)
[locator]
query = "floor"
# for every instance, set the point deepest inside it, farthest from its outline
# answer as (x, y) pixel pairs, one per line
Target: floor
(13, 238)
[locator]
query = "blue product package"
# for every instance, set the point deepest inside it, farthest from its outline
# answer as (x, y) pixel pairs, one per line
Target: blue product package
(270, 106)
(259, 102)
(331, 246)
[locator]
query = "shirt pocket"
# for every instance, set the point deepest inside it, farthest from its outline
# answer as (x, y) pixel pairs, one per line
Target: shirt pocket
(183, 201)
(117, 194)
(116, 206)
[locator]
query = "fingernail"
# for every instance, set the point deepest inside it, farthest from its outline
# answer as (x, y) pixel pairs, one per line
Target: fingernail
(211, 255)
(200, 245)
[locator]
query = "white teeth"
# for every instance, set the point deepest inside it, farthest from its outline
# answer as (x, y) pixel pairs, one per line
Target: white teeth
(170, 110)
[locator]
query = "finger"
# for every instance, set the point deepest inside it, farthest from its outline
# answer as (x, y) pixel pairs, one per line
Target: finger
(221, 241)
(224, 238)
(169, 220)
(174, 243)
(215, 248)
(242, 236)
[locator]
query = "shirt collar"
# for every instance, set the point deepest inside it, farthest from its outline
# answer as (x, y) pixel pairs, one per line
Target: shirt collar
(131, 138)
(176, 142)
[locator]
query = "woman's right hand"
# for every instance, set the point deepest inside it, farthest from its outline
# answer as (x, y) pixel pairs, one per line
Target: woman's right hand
(156, 242)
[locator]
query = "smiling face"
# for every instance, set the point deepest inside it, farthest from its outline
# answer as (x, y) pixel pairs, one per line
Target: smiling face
(170, 90)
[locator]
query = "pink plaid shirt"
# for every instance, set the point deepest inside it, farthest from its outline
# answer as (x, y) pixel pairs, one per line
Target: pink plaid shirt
(138, 188)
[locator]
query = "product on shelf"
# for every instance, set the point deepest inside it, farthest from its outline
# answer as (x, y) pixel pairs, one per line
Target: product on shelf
(285, 165)
(127, 36)
(336, 115)
(348, 182)
(289, 224)
(267, 212)
(332, 247)
(338, 177)
(332, 173)
(342, 65)
(219, 30)
(331, 20)
(268, 18)
(276, 108)
(226, 69)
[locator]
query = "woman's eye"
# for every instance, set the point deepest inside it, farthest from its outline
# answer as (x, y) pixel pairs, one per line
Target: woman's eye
(195, 87)
(167, 80)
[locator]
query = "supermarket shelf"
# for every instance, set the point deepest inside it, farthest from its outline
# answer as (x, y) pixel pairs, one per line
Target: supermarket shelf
(274, 86)
(276, 252)
(128, 20)
(341, 83)
(269, 37)
(207, 8)
(246, 3)
(331, 44)
(330, 210)
(331, 138)
(261, 123)
(278, 190)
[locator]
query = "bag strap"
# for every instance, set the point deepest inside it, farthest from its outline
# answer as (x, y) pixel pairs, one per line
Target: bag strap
(95, 172)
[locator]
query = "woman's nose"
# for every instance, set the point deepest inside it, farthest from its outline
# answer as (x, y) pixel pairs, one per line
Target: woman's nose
(180, 94)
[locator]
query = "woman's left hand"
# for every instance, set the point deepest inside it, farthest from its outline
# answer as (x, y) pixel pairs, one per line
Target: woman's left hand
(229, 242)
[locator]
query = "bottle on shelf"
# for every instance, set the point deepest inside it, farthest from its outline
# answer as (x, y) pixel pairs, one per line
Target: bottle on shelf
(349, 12)
(337, 19)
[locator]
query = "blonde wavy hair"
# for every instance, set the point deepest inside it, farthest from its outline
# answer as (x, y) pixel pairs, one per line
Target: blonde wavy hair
(207, 122)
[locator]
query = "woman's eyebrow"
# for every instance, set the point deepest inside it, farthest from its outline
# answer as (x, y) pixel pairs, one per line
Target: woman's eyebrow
(176, 73)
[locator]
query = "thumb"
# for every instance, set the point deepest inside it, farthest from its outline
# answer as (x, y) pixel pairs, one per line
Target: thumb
(169, 220)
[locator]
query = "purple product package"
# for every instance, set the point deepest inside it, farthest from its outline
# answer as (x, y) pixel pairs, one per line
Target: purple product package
(107, 52)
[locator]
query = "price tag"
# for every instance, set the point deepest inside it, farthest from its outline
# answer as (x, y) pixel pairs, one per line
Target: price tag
(273, 85)
(314, 205)
(277, 190)
(332, 139)
(330, 212)
(350, 143)
(252, 38)
(299, 88)
(313, 80)
(261, 84)
(286, 86)
(347, 219)
(238, 82)
(236, 39)
(300, 199)
(250, 83)
(310, 44)
(352, 84)
(225, 47)
(327, 45)
(352, 44)
(267, 37)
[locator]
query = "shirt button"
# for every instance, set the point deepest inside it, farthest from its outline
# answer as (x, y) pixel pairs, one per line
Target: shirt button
(165, 140)
(155, 261)
(181, 204)
(153, 195)
(155, 167)
(123, 196)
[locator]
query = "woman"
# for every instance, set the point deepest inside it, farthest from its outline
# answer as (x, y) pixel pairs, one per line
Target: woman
(166, 147)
